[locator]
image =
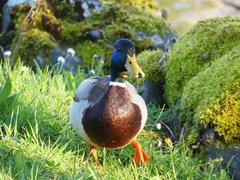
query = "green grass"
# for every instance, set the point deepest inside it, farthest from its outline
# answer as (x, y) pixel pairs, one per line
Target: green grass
(37, 141)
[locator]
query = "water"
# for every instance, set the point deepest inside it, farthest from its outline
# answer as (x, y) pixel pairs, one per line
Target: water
(183, 14)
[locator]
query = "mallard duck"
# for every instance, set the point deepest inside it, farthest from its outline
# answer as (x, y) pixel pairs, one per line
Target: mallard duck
(107, 112)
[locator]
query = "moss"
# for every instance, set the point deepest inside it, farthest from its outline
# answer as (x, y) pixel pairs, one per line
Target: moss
(116, 22)
(87, 49)
(7, 38)
(140, 4)
(225, 115)
(63, 8)
(120, 21)
(149, 62)
(40, 29)
(136, 19)
(42, 18)
(212, 97)
(198, 49)
(73, 31)
(17, 16)
(34, 43)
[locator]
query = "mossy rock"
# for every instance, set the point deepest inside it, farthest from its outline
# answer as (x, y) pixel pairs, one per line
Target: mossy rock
(212, 97)
(87, 49)
(197, 50)
(75, 10)
(42, 18)
(39, 33)
(63, 8)
(114, 22)
(35, 43)
(129, 18)
(148, 5)
(149, 61)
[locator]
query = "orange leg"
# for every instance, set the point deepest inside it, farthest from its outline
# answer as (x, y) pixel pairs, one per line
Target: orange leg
(140, 155)
(93, 152)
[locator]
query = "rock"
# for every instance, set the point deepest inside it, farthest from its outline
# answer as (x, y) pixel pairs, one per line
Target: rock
(231, 159)
(6, 18)
(13, 3)
(208, 137)
(115, 22)
(151, 92)
(187, 49)
(203, 80)
(204, 57)
(152, 63)
(2, 2)
(71, 62)
(40, 61)
(65, 60)
(1, 53)
(170, 38)
(86, 7)
(94, 35)
(234, 3)
(140, 35)
(164, 14)
(159, 42)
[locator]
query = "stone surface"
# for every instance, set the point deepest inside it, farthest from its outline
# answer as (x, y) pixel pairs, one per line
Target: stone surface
(163, 43)
(94, 35)
(1, 53)
(71, 62)
(231, 159)
(234, 3)
(6, 18)
(164, 14)
(208, 137)
(152, 92)
(12, 3)
(86, 7)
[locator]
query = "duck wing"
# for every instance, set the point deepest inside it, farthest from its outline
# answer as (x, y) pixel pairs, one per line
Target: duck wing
(92, 89)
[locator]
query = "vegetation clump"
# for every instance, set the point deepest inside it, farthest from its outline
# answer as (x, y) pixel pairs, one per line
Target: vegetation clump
(114, 21)
(35, 43)
(202, 77)
(207, 42)
(118, 21)
(63, 9)
(224, 115)
(87, 49)
(213, 96)
(140, 4)
(36, 34)
(150, 63)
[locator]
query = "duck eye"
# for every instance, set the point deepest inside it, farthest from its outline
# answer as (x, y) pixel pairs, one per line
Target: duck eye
(131, 51)
(130, 62)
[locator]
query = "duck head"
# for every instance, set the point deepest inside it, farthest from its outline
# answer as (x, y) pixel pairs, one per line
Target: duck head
(123, 59)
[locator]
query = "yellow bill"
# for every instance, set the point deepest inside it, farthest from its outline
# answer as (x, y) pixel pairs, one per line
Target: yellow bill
(133, 68)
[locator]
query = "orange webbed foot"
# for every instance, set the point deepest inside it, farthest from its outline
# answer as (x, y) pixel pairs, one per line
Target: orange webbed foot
(140, 155)
(93, 152)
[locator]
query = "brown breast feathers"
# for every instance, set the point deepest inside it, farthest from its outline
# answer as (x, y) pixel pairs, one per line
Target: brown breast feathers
(114, 120)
